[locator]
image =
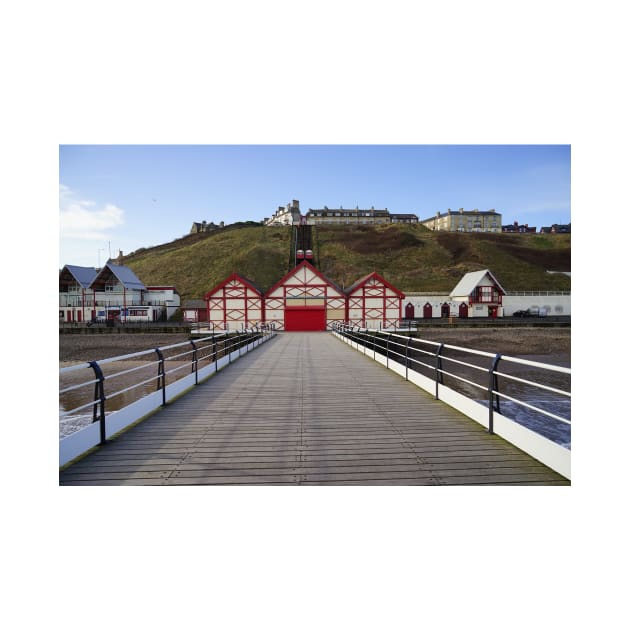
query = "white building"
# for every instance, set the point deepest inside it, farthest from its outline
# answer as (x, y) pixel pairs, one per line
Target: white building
(285, 216)
(478, 293)
(113, 293)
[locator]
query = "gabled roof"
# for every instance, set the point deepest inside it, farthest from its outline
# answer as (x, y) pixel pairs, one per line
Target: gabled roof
(233, 276)
(83, 275)
(471, 280)
(362, 281)
(304, 263)
(123, 274)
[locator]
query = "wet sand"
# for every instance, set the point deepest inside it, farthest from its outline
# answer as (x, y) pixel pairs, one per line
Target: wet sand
(73, 348)
(525, 341)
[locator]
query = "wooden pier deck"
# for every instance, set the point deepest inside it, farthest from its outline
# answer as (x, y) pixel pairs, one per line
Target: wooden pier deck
(305, 409)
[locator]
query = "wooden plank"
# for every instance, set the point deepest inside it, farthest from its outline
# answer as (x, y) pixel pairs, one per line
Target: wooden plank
(305, 409)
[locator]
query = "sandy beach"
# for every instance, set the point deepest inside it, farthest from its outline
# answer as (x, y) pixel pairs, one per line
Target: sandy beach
(513, 341)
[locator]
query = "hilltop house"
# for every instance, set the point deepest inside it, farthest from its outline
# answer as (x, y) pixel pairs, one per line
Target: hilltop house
(518, 229)
(341, 216)
(465, 221)
(285, 216)
(403, 218)
(556, 228)
(198, 228)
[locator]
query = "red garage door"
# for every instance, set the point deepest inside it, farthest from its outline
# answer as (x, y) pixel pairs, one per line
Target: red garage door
(305, 319)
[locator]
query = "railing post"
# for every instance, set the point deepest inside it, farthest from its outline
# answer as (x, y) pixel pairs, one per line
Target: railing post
(161, 377)
(194, 364)
(439, 378)
(493, 386)
(99, 395)
(389, 336)
(407, 357)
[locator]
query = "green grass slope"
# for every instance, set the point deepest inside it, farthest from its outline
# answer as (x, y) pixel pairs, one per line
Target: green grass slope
(409, 256)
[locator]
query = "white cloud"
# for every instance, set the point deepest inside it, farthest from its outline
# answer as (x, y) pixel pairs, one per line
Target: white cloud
(83, 219)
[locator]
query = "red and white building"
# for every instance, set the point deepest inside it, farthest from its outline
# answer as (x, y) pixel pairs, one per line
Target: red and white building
(374, 303)
(481, 292)
(304, 300)
(235, 304)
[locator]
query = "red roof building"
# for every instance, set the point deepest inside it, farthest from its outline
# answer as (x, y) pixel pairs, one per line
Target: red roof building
(304, 300)
(374, 303)
(235, 304)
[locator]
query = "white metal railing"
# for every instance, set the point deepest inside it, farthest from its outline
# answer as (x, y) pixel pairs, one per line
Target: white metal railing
(453, 374)
(175, 369)
(550, 293)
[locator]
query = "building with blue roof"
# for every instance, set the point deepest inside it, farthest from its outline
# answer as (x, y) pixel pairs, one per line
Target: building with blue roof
(113, 293)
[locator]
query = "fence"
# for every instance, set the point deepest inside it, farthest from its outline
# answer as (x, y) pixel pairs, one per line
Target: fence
(172, 370)
(488, 388)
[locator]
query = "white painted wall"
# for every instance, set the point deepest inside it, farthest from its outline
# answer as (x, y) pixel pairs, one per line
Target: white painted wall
(556, 304)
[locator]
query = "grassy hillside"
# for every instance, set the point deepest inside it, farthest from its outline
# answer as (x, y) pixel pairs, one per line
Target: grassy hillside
(409, 256)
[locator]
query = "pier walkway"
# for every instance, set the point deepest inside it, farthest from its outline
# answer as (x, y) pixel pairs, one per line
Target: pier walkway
(306, 409)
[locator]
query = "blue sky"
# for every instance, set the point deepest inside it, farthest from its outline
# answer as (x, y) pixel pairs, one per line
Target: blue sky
(130, 196)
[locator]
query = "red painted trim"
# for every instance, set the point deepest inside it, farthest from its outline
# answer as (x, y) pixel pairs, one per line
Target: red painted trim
(305, 308)
(305, 263)
(233, 276)
(361, 283)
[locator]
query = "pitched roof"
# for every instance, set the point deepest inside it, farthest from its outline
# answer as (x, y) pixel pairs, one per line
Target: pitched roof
(304, 263)
(471, 280)
(194, 304)
(233, 276)
(125, 276)
(361, 281)
(83, 275)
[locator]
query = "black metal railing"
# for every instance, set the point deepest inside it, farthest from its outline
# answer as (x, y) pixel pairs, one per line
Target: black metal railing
(473, 373)
(157, 368)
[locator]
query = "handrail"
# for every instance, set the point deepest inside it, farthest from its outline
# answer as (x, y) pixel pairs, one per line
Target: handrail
(383, 342)
(208, 349)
